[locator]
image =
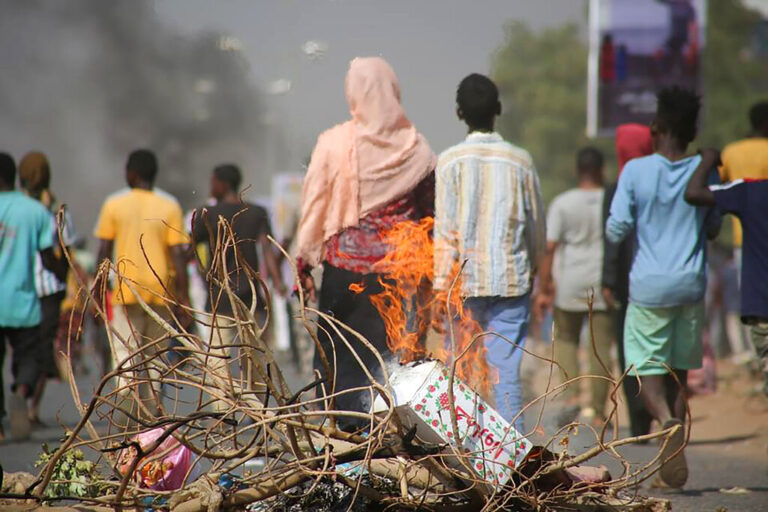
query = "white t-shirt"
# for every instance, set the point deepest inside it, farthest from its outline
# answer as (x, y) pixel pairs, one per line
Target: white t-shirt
(575, 222)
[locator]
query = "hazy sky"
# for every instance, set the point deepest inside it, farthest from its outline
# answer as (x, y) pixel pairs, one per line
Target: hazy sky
(431, 44)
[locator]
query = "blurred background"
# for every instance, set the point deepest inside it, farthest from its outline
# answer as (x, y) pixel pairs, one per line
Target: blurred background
(255, 82)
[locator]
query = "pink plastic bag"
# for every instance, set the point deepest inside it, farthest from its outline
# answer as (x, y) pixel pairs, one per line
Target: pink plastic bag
(165, 473)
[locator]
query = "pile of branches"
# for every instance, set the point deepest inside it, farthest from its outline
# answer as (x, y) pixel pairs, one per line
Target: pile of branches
(251, 413)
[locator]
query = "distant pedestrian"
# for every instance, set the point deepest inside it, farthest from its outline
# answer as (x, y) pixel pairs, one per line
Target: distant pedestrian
(141, 228)
(76, 313)
(632, 141)
(365, 176)
(662, 333)
(488, 211)
(250, 227)
(746, 199)
(747, 159)
(572, 269)
(35, 177)
(26, 230)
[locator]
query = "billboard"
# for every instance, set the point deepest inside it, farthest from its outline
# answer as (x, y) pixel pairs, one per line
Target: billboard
(636, 48)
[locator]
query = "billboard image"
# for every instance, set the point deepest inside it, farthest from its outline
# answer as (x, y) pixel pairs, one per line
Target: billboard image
(639, 47)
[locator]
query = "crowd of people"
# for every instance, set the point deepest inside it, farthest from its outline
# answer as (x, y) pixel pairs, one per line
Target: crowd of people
(630, 258)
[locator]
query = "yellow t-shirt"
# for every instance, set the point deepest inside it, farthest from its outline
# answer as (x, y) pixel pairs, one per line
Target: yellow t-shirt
(134, 218)
(747, 158)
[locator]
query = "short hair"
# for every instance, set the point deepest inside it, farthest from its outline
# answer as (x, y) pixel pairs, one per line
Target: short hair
(7, 169)
(478, 98)
(229, 174)
(144, 163)
(677, 111)
(758, 115)
(589, 160)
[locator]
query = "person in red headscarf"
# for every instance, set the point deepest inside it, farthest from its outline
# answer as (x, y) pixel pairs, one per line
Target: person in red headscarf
(632, 141)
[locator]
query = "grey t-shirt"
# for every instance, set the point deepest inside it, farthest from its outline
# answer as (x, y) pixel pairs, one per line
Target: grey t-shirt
(575, 222)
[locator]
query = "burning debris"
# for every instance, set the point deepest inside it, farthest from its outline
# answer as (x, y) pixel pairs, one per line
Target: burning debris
(407, 302)
(216, 440)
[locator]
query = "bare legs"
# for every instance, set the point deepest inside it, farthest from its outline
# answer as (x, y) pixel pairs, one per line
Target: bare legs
(34, 410)
(663, 397)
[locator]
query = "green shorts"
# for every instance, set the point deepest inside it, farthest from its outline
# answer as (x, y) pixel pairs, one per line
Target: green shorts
(659, 338)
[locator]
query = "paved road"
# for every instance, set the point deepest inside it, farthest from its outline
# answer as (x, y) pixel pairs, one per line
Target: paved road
(715, 463)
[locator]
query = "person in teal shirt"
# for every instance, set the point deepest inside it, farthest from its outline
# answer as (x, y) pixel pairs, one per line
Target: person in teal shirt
(25, 230)
(667, 282)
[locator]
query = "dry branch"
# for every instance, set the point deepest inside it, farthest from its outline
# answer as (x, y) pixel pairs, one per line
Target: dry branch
(245, 409)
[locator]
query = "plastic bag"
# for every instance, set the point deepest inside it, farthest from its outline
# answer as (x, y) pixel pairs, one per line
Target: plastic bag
(164, 473)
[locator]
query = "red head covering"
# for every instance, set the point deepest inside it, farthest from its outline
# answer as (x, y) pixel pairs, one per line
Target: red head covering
(632, 141)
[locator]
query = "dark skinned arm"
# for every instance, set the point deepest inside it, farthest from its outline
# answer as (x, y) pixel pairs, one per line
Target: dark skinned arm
(271, 261)
(544, 296)
(56, 265)
(180, 256)
(697, 192)
(104, 253)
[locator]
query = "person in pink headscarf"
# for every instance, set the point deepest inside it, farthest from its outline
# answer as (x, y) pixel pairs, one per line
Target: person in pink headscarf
(364, 176)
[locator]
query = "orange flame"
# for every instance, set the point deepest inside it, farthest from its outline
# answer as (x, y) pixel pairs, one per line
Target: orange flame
(356, 288)
(406, 303)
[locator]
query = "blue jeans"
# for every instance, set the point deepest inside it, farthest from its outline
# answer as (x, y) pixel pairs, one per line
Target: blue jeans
(507, 316)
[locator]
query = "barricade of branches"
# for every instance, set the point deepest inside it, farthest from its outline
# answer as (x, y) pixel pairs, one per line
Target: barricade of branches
(193, 419)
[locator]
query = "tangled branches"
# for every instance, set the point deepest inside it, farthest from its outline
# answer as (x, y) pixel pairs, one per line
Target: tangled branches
(210, 384)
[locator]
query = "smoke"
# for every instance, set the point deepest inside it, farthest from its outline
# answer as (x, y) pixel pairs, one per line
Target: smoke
(87, 81)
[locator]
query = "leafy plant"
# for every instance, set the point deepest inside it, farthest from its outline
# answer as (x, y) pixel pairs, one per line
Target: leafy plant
(73, 475)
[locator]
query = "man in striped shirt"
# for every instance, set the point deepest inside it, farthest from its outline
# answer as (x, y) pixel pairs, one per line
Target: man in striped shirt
(489, 212)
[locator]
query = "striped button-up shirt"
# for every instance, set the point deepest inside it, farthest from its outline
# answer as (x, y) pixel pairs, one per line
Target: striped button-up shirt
(489, 212)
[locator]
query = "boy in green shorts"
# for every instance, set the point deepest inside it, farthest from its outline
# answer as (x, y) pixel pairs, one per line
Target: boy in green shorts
(662, 332)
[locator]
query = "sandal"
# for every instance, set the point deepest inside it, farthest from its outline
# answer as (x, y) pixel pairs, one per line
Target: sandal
(674, 468)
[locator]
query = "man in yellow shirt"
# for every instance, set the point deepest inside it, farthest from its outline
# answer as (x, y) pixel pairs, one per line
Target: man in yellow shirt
(141, 230)
(747, 158)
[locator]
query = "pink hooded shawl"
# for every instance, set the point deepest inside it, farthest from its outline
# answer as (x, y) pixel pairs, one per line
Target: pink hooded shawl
(363, 164)
(632, 141)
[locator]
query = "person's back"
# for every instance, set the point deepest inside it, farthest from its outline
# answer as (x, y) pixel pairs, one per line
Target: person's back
(140, 229)
(144, 224)
(249, 223)
(579, 258)
(25, 229)
(496, 181)
(670, 252)
(664, 319)
(489, 213)
(573, 268)
(745, 199)
(744, 159)
(747, 158)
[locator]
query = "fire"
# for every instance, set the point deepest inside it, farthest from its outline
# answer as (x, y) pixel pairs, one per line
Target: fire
(356, 288)
(406, 303)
